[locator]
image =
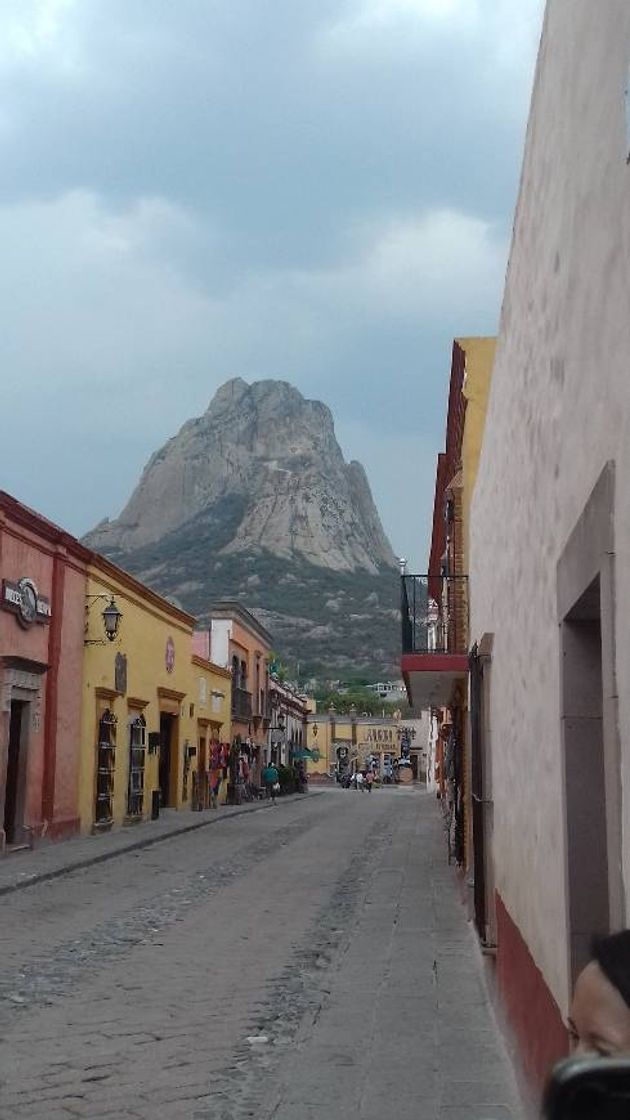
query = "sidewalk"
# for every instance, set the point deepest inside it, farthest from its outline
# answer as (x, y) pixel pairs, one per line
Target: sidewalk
(24, 868)
(408, 1028)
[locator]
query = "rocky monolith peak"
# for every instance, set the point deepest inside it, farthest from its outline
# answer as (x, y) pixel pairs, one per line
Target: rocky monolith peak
(265, 460)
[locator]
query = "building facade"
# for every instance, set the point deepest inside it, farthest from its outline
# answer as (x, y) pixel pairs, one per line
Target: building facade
(237, 642)
(151, 711)
(550, 543)
(287, 728)
(213, 686)
(341, 743)
(435, 606)
(42, 610)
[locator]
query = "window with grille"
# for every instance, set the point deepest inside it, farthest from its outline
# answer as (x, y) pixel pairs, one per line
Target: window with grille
(105, 768)
(137, 751)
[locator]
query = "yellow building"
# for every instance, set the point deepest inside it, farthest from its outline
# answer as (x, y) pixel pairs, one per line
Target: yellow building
(151, 709)
(476, 389)
(436, 645)
(347, 742)
(213, 685)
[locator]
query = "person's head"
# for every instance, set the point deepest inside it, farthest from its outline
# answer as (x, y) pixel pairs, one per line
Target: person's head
(599, 1020)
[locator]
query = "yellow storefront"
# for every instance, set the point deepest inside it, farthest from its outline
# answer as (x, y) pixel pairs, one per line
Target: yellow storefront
(213, 706)
(350, 742)
(150, 710)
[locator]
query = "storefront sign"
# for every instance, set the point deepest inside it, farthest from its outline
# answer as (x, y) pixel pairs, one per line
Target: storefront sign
(379, 735)
(25, 602)
(169, 657)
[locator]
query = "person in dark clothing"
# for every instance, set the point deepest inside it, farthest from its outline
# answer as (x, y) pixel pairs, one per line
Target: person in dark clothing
(599, 1021)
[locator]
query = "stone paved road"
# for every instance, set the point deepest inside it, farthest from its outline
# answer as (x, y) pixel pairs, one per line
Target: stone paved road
(309, 960)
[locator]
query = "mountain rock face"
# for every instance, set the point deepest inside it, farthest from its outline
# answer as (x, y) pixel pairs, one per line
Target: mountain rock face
(253, 500)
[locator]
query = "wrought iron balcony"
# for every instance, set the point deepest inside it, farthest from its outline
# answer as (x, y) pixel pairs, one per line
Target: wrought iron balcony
(434, 614)
(241, 703)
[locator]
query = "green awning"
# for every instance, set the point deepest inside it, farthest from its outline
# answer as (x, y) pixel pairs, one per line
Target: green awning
(303, 752)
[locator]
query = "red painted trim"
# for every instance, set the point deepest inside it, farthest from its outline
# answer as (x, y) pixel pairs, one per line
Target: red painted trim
(532, 1012)
(39, 525)
(52, 687)
(26, 537)
(448, 460)
(434, 663)
(218, 670)
(46, 530)
(102, 567)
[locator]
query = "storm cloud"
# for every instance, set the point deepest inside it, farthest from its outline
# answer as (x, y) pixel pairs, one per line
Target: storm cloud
(310, 190)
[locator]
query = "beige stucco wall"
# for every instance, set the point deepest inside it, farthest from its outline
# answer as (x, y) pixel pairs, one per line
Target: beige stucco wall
(559, 409)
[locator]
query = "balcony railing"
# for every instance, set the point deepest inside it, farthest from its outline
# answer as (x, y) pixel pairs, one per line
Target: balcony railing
(241, 703)
(434, 614)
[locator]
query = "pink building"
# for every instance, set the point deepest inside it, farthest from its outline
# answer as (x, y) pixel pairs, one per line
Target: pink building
(42, 620)
(550, 541)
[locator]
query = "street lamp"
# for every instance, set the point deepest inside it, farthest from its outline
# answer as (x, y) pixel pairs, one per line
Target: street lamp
(111, 616)
(111, 620)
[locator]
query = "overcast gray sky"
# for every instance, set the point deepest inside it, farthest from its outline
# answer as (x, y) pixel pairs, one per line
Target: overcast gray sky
(320, 191)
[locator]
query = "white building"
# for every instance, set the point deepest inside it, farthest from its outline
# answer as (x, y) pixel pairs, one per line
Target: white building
(550, 540)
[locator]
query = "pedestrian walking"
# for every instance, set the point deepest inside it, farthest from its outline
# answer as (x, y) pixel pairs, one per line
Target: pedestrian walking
(369, 781)
(270, 778)
(599, 1021)
(215, 785)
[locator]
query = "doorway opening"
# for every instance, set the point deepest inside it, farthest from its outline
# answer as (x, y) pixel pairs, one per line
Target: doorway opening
(585, 776)
(16, 772)
(481, 820)
(167, 721)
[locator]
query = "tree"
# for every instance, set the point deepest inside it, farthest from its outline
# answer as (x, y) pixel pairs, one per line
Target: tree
(362, 700)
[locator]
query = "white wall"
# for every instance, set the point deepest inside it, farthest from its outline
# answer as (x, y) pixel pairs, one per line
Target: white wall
(220, 634)
(432, 730)
(559, 409)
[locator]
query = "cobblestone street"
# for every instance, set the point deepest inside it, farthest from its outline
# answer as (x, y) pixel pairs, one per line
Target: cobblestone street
(309, 960)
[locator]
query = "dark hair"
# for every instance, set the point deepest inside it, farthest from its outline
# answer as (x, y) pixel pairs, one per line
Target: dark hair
(613, 957)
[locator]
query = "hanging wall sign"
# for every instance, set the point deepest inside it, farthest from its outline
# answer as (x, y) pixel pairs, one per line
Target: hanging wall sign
(169, 657)
(120, 673)
(25, 602)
